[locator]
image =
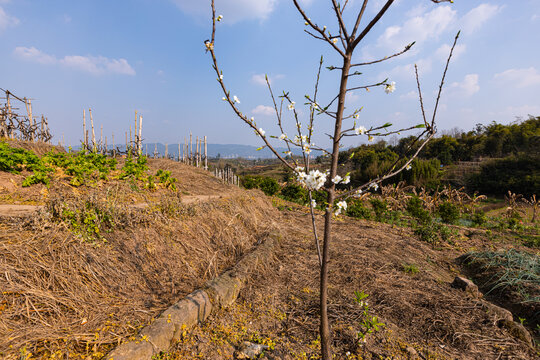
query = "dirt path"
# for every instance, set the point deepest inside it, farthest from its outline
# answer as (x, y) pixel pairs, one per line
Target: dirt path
(25, 210)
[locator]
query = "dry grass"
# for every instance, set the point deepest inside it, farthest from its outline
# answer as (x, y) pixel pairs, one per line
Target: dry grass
(65, 294)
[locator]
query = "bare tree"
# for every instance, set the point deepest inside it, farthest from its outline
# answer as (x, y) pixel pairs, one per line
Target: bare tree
(344, 41)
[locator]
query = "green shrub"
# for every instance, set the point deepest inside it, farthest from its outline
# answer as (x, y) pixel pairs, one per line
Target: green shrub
(479, 218)
(295, 193)
(357, 209)
(415, 207)
(380, 208)
(251, 182)
(428, 232)
(448, 212)
(269, 186)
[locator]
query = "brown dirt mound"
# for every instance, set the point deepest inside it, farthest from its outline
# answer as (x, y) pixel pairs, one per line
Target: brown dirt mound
(423, 314)
(64, 295)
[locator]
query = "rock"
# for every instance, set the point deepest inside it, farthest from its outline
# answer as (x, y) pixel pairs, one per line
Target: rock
(411, 353)
(249, 350)
(497, 312)
(466, 285)
(518, 331)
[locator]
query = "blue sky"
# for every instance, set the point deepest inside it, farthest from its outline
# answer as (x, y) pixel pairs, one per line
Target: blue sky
(119, 56)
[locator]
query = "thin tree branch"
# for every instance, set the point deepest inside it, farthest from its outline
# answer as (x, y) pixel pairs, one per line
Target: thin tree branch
(371, 24)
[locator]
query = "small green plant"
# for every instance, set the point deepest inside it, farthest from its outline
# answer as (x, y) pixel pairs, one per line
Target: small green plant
(380, 208)
(479, 218)
(415, 207)
(410, 268)
(369, 323)
(357, 209)
(166, 179)
(448, 212)
(427, 233)
(134, 169)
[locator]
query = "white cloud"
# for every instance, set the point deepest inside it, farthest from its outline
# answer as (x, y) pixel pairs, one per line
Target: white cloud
(411, 95)
(232, 10)
(444, 50)
(469, 86)
(519, 78)
(263, 110)
(7, 20)
(418, 28)
(260, 79)
(96, 65)
(475, 18)
(35, 55)
(406, 72)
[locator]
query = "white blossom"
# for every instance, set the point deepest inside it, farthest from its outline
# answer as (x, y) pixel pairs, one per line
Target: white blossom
(337, 179)
(360, 130)
(291, 105)
(313, 203)
(236, 100)
(313, 181)
(334, 40)
(358, 193)
(374, 186)
(409, 167)
(341, 206)
(390, 88)
(224, 98)
(282, 137)
(220, 17)
(306, 148)
(346, 179)
(356, 116)
(209, 45)
(370, 138)
(261, 131)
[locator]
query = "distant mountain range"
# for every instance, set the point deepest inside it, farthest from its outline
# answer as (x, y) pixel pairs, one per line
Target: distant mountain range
(225, 151)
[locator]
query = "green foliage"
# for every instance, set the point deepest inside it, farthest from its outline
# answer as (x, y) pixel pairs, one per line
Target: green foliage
(428, 232)
(15, 160)
(166, 179)
(88, 221)
(356, 208)
(369, 324)
(448, 212)
(295, 193)
(515, 269)
(479, 218)
(250, 182)
(134, 169)
(380, 208)
(269, 186)
(519, 174)
(415, 207)
(410, 268)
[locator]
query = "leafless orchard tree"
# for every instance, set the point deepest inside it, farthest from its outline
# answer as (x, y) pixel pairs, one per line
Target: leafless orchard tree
(344, 41)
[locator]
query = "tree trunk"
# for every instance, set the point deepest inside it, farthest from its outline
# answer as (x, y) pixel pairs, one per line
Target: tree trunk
(325, 331)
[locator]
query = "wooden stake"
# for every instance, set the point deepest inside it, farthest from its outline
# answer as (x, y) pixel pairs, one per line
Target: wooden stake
(166, 151)
(28, 104)
(101, 141)
(139, 145)
(113, 147)
(178, 151)
(205, 154)
(85, 132)
(190, 149)
(93, 132)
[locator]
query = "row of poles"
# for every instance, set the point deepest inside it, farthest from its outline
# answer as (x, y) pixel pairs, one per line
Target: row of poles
(227, 175)
(22, 127)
